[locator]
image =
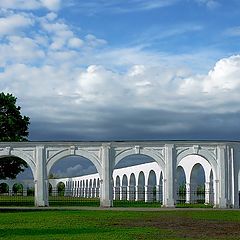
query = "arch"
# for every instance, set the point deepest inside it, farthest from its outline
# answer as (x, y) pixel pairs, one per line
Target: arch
(141, 187)
(188, 163)
(94, 183)
(50, 189)
(17, 189)
(23, 156)
(142, 151)
(66, 153)
(4, 188)
(197, 184)
(205, 154)
(124, 187)
(61, 188)
(181, 185)
(151, 187)
(117, 188)
(132, 187)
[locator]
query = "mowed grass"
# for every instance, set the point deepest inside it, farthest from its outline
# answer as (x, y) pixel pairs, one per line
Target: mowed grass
(105, 224)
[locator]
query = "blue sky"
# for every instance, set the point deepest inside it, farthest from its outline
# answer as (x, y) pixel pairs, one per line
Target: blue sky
(133, 69)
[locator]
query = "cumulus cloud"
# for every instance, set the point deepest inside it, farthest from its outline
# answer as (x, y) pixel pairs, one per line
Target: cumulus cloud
(30, 4)
(14, 23)
(76, 85)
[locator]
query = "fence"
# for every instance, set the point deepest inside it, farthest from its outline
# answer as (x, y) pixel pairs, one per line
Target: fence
(137, 196)
(73, 198)
(195, 197)
(19, 198)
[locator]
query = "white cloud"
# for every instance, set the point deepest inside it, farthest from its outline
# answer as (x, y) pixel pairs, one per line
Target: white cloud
(93, 41)
(117, 6)
(20, 4)
(20, 49)
(224, 76)
(53, 5)
(62, 77)
(234, 31)
(14, 23)
(75, 42)
(211, 4)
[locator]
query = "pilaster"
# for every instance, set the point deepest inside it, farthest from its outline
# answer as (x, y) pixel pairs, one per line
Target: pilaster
(223, 176)
(106, 199)
(41, 179)
(169, 198)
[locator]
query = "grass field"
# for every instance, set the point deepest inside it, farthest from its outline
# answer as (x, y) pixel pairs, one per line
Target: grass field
(93, 202)
(83, 224)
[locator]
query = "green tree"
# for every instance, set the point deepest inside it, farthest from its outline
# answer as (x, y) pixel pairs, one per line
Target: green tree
(13, 128)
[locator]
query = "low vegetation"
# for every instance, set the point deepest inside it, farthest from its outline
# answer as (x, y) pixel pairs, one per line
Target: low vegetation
(103, 224)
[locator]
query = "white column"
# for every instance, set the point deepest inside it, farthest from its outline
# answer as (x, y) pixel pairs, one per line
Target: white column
(136, 193)
(121, 193)
(106, 187)
(146, 193)
(216, 193)
(114, 193)
(24, 192)
(169, 193)
(41, 179)
(207, 192)
(235, 156)
(128, 192)
(188, 193)
(223, 176)
(157, 193)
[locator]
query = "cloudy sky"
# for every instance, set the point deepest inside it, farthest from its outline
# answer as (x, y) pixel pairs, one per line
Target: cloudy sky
(123, 69)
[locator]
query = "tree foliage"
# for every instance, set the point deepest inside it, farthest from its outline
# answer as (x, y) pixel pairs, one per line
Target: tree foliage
(13, 128)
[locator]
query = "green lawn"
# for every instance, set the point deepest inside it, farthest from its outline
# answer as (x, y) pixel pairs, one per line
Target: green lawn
(86, 224)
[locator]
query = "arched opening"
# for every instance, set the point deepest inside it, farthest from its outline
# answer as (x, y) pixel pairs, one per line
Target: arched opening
(132, 187)
(4, 189)
(124, 187)
(151, 187)
(61, 189)
(50, 189)
(78, 174)
(17, 189)
(181, 185)
(117, 188)
(141, 186)
(197, 184)
(199, 181)
(135, 168)
(19, 179)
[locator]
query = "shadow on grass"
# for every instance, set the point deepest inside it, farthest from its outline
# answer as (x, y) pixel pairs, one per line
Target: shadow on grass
(48, 231)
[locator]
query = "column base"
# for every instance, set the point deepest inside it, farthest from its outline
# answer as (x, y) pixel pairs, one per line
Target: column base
(106, 203)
